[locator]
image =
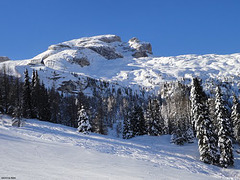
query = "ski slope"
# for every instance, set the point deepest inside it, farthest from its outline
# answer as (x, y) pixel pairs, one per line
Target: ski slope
(41, 150)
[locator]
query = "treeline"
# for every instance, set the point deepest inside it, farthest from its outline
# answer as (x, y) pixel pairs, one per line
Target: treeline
(178, 109)
(215, 130)
(31, 99)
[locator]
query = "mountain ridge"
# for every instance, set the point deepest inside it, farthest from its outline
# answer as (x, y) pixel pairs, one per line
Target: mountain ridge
(128, 64)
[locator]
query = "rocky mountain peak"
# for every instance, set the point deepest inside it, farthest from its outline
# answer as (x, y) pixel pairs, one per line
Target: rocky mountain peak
(4, 58)
(84, 50)
(142, 48)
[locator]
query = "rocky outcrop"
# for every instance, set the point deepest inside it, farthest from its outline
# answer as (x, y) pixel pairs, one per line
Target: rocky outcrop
(83, 61)
(105, 51)
(67, 86)
(58, 46)
(139, 54)
(142, 49)
(110, 38)
(81, 51)
(4, 58)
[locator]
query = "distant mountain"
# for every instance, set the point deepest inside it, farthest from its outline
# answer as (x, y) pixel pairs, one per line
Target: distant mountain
(4, 58)
(70, 65)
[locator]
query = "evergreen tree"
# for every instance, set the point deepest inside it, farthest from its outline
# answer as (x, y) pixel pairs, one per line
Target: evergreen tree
(1, 99)
(100, 125)
(27, 102)
(127, 126)
(84, 125)
(177, 137)
(55, 103)
(149, 118)
(43, 105)
(36, 98)
(99, 118)
(206, 139)
(203, 124)
(137, 121)
(17, 112)
(5, 90)
(17, 119)
(196, 101)
(224, 132)
(154, 120)
(189, 135)
(235, 117)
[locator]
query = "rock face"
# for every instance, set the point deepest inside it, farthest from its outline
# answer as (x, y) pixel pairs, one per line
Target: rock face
(4, 58)
(89, 51)
(105, 51)
(141, 48)
(58, 47)
(81, 61)
(110, 39)
(139, 54)
(67, 86)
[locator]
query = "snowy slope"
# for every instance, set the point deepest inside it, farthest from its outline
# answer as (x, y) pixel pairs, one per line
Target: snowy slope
(42, 150)
(130, 63)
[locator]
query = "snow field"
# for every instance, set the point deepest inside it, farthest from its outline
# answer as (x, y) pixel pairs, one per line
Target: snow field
(42, 150)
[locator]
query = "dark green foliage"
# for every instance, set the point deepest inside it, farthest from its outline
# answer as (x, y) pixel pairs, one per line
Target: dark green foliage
(100, 121)
(154, 120)
(27, 101)
(235, 117)
(177, 137)
(127, 126)
(43, 105)
(54, 101)
(36, 94)
(138, 122)
(224, 132)
(206, 139)
(203, 124)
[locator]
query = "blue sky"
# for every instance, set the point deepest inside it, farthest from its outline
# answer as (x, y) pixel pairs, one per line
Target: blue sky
(173, 27)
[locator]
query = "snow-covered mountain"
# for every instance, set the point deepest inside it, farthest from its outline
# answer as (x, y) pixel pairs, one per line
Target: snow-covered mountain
(4, 58)
(68, 65)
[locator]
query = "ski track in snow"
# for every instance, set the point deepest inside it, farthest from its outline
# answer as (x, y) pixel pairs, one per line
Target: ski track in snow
(156, 150)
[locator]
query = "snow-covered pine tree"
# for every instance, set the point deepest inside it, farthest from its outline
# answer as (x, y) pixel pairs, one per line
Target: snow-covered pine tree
(27, 102)
(84, 125)
(17, 112)
(203, 124)
(235, 117)
(195, 96)
(224, 131)
(138, 121)
(17, 120)
(127, 126)
(149, 117)
(189, 135)
(43, 104)
(177, 137)
(1, 99)
(100, 125)
(35, 85)
(206, 140)
(5, 89)
(154, 120)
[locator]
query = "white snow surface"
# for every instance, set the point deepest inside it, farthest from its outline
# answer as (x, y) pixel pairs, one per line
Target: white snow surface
(148, 72)
(42, 150)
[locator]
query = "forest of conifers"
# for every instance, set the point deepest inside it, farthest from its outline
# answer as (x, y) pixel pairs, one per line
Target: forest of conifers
(184, 111)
